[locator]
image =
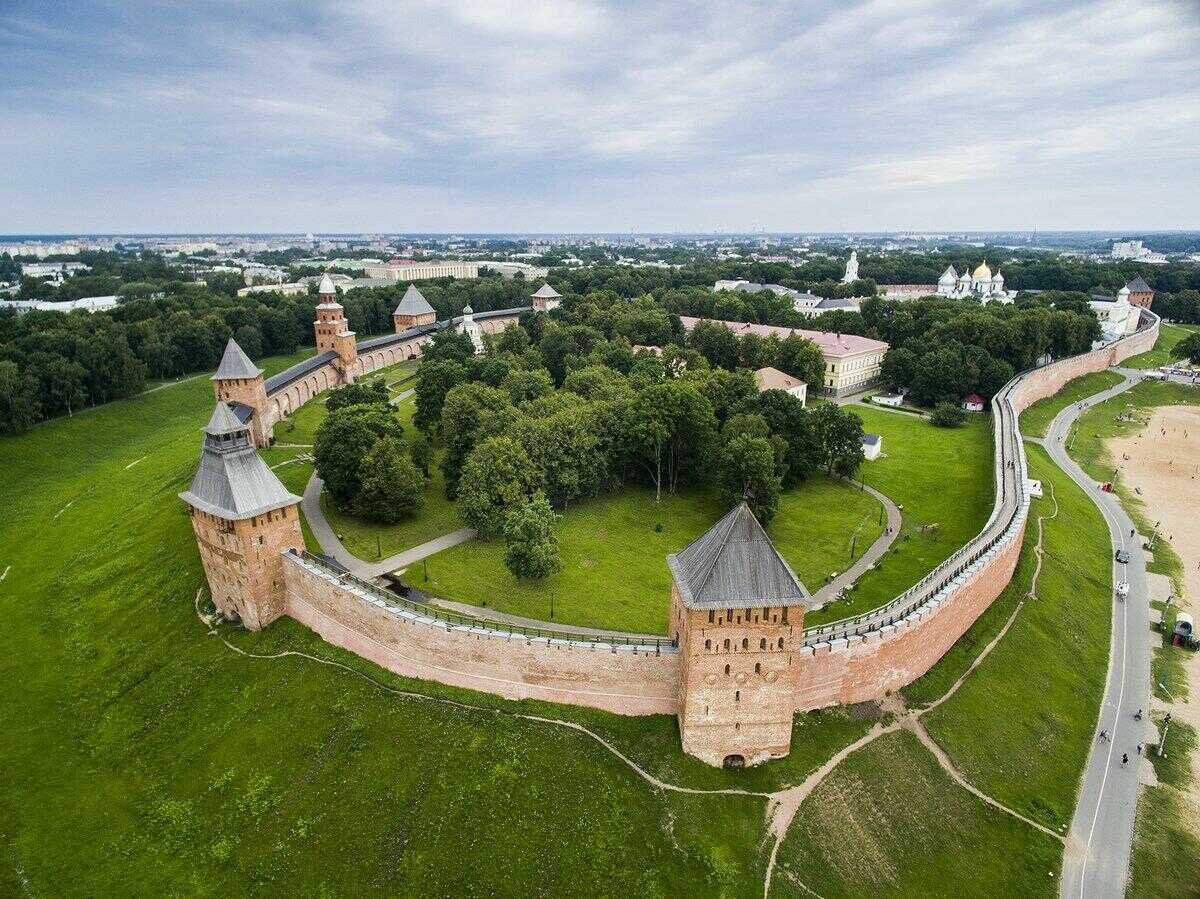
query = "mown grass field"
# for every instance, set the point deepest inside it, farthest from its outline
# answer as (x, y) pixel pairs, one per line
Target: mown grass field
(1168, 336)
(143, 757)
(1022, 728)
(1036, 419)
(614, 550)
(942, 480)
(889, 822)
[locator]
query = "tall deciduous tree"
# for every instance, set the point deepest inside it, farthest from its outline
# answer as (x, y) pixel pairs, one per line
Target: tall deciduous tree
(496, 478)
(343, 441)
(532, 548)
(839, 434)
(747, 470)
(391, 488)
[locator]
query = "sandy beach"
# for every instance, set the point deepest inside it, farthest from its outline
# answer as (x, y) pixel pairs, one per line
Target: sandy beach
(1163, 462)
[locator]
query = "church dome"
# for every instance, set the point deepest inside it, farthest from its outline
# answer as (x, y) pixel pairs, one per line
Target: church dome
(983, 271)
(467, 310)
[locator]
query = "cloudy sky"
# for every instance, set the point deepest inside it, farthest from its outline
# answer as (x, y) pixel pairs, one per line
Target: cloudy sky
(524, 115)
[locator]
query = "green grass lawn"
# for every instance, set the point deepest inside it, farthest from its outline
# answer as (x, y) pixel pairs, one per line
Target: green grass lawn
(889, 822)
(942, 479)
(1125, 414)
(615, 571)
(1168, 336)
(143, 757)
(1021, 728)
(1036, 419)
(1166, 854)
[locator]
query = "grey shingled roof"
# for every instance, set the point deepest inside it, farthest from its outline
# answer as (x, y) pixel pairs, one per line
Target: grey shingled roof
(547, 291)
(233, 482)
(1139, 285)
(413, 303)
(235, 364)
(734, 566)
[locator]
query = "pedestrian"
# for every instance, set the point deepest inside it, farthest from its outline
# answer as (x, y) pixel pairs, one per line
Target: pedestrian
(1103, 736)
(1124, 759)
(1139, 748)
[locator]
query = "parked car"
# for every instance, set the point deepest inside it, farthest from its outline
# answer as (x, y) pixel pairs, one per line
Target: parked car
(1122, 556)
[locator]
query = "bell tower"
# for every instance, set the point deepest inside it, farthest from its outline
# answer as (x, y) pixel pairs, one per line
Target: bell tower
(737, 614)
(333, 331)
(244, 520)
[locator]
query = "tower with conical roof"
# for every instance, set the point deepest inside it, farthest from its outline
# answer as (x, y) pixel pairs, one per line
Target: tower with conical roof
(244, 519)
(737, 614)
(546, 298)
(239, 382)
(414, 310)
(333, 331)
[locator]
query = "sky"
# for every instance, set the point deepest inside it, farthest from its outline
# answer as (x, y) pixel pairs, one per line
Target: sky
(574, 115)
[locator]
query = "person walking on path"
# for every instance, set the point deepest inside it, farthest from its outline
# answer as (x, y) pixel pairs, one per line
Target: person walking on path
(1124, 759)
(1139, 748)
(1103, 736)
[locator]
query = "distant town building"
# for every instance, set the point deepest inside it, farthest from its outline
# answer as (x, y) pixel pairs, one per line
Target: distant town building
(980, 284)
(851, 274)
(807, 304)
(773, 379)
(546, 298)
(852, 363)
(1135, 250)
(86, 304)
(289, 289)
(411, 270)
(510, 270)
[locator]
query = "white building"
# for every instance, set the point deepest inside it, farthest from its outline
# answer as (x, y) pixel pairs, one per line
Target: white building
(411, 270)
(981, 284)
(872, 445)
(87, 304)
(851, 268)
(1134, 249)
(546, 298)
(1118, 317)
(892, 400)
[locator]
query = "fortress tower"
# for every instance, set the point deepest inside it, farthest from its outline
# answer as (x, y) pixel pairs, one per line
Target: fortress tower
(737, 612)
(546, 298)
(413, 310)
(1140, 293)
(333, 331)
(239, 382)
(471, 328)
(244, 518)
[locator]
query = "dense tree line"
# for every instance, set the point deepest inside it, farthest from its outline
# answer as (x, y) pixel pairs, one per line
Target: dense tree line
(562, 411)
(1183, 307)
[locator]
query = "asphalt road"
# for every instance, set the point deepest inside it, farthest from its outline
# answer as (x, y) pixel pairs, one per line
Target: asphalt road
(1096, 862)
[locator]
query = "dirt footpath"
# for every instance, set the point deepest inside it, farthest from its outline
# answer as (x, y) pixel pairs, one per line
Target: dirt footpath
(1163, 462)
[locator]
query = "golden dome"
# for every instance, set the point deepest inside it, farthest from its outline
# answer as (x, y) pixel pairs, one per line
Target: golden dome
(983, 271)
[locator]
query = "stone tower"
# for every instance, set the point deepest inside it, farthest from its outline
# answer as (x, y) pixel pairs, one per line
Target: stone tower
(546, 298)
(333, 331)
(1140, 293)
(737, 612)
(413, 310)
(244, 520)
(471, 328)
(239, 382)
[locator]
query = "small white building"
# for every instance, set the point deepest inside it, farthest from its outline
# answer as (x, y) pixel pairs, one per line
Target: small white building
(893, 400)
(773, 379)
(972, 402)
(546, 298)
(872, 446)
(851, 274)
(1118, 317)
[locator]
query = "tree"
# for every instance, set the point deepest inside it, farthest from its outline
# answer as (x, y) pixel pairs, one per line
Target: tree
(496, 478)
(370, 392)
(566, 451)
(947, 415)
(19, 407)
(471, 412)
(391, 487)
(716, 343)
(532, 548)
(898, 369)
(802, 358)
(420, 452)
(449, 346)
(747, 470)
(788, 419)
(1188, 348)
(670, 426)
(524, 385)
(434, 381)
(343, 441)
(839, 435)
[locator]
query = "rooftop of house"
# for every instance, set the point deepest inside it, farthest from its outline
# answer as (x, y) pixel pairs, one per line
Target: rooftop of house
(735, 566)
(833, 345)
(769, 378)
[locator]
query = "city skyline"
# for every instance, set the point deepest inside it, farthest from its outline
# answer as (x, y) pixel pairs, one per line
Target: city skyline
(581, 117)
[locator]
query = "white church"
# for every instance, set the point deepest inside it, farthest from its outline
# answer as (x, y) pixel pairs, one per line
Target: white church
(981, 284)
(1118, 317)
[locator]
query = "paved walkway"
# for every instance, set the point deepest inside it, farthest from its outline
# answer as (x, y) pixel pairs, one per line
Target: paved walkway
(402, 396)
(830, 591)
(492, 615)
(1096, 862)
(332, 546)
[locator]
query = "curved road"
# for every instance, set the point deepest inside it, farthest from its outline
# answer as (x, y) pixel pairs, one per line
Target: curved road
(1096, 861)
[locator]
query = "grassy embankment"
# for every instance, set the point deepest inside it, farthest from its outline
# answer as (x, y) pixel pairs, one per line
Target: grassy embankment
(1036, 419)
(1168, 336)
(142, 756)
(1019, 729)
